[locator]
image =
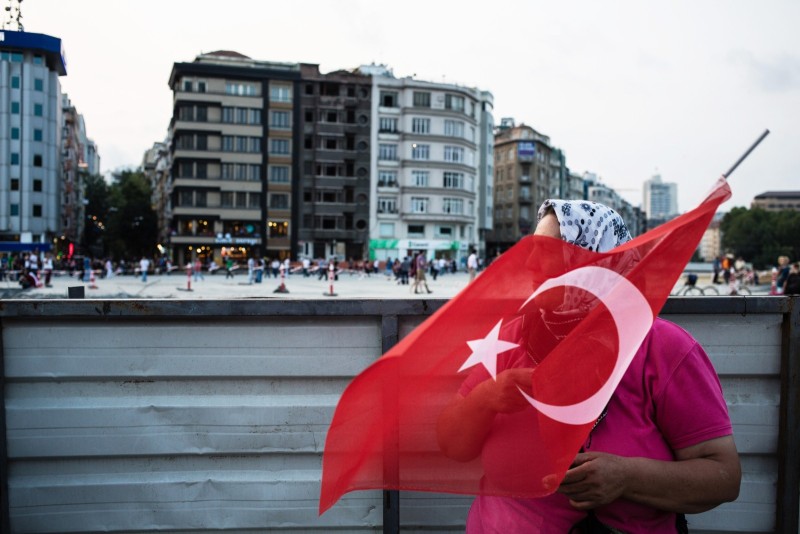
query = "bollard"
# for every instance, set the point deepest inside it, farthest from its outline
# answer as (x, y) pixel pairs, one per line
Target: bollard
(92, 285)
(282, 287)
(331, 276)
(773, 286)
(188, 278)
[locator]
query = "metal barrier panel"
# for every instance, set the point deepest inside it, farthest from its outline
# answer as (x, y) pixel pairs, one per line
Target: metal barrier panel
(205, 415)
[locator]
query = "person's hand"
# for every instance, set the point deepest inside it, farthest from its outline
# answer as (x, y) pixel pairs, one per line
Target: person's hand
(595, 479)
(502, 395)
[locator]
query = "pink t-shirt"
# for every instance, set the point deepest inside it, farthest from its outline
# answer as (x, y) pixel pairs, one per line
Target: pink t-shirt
(669, 398)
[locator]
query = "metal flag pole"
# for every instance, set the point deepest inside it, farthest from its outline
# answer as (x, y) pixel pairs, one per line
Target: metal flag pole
(741, 159)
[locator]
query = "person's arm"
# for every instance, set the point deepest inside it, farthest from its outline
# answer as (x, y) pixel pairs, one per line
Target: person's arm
(702, 477)
(463, 425)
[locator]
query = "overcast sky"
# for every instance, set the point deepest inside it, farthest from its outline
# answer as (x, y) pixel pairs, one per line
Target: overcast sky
(626, 88)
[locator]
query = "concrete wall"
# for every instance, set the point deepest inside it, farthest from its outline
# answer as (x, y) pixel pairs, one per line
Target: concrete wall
(202, 415)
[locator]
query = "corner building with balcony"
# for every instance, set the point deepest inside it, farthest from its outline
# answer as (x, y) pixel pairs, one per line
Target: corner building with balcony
(524, 178)
(334, 189)
(429, 164)
(233, 156)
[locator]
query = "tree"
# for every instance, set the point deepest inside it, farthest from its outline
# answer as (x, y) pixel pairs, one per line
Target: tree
(96, 195)
(132, 229)
(761, 236)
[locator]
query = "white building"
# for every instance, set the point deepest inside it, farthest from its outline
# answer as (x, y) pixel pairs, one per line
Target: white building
(660, 199)
(431, 167)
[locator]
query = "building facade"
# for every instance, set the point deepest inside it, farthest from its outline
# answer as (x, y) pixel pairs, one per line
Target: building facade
(660, 200)
(332, 197)
(523, 178)
(429, 144)
(233, 158)
(74, 169)
(31, 186)
(777, 201)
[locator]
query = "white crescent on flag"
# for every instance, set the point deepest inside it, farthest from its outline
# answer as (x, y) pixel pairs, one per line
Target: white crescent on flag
(633, 318)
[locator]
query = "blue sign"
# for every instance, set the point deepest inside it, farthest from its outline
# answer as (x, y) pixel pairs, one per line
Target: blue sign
(526, 150)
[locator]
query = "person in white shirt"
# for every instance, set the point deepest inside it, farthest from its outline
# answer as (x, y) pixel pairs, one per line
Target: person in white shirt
(144, 266)
(472, 265)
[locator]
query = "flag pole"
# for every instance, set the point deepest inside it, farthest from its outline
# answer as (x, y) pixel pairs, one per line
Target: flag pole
(741, 159)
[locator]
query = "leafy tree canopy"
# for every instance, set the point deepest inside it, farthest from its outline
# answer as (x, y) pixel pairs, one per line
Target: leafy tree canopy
(760, 236)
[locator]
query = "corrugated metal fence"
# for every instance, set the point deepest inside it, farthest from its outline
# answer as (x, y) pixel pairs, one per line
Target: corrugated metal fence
(133, 415)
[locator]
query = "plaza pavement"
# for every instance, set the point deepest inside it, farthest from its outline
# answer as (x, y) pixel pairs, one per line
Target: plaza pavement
(216, 286)
(174, 286)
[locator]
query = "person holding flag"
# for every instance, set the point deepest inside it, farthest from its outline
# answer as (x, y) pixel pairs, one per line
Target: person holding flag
(661, 447)
(549, 388)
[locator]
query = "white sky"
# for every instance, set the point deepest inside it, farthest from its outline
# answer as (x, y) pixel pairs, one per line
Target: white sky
(627, 88)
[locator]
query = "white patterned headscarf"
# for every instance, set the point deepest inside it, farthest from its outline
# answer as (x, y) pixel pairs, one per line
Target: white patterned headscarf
(588, 224)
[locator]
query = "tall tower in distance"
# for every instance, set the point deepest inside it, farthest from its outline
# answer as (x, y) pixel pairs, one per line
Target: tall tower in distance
(660, 200)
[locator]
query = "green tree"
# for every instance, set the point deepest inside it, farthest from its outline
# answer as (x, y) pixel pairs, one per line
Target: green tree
(96, 194)
(132, 229)
(761, 236)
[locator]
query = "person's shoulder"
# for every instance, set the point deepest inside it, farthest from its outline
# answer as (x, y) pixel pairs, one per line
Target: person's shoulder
(665, 334)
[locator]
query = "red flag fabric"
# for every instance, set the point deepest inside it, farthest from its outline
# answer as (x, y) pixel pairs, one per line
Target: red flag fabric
(390, 428)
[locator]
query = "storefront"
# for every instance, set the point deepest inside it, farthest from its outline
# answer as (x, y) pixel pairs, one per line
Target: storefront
(381, 249)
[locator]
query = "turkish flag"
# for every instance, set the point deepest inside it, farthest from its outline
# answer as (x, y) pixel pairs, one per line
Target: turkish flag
(573, 317)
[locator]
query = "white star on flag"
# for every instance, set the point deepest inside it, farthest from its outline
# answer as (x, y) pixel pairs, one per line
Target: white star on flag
(485, 351)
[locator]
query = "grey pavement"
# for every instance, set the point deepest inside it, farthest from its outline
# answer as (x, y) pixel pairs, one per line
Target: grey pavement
(216, 286)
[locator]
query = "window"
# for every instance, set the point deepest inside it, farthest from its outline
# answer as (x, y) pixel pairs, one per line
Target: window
(279, 146)
(386, 229)
(280, 93)
(38, 84)
(37, 185)
(419, 205)
(241, 199)
(38, 60)
(453, 180)
(202, 169)
(14, 133)
(387, 125)
(278, 228)
(254, 200)
(201, 87)
(15, 184)
(387, 205)
(444, 231)
(187, 86)
(420, 151)
(15, 108)
(200, 199)
(416, 230)
(37, 160)
(254, 116)
(387, 152)
(15, 84)
(389, 99)
(227, 115)
(419, 178)
(454, 102)
(226, 199)
(242, 89)
(278, 174)
(387, 178)
(453, 205)
(422, 99)
(254, 172)
(454, 154)
(454, 128)
(421, 126)
(38, 110)
(279, 119)
(14, 209)
(14, 158)
(279, 201)
(202, 142)
(185, 198)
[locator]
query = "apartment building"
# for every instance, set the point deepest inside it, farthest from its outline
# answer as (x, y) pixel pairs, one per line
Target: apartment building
(660, 201)
(75, 166)
(31, 189)
(156, 166)
(777, 201)
(233, 158)
(332, 198)
(524, 172)
(429, 163)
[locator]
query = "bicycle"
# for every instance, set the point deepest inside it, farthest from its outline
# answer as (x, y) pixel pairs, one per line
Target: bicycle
(689, 288)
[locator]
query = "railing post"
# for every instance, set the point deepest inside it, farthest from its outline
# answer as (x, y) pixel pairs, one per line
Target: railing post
(788, 498)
